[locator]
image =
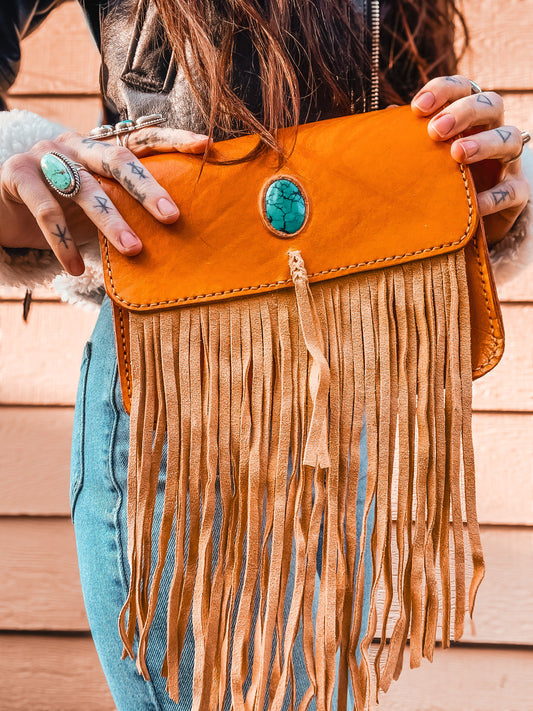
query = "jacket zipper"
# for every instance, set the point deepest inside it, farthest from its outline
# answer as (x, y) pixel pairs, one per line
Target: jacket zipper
(375, 29)
(373, 22)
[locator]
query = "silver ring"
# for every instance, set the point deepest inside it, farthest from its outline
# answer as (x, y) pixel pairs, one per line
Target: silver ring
(62, 174)
(125, 127)
(475, 88)
(526, 138)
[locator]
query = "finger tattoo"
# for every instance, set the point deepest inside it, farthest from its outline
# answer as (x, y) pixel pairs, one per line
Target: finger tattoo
(453, 80)
(115, 172)
(503, 134)
(500, 196)
(102, 204)
(136, 169)
(62, 234)
(91, 143)
(146, 140)
(484, 99)
(141, 197)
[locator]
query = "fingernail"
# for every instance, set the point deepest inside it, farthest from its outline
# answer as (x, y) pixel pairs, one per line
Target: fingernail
(77, 266)
(470, 148)
(443, 125)
(129, 240)
(166, 207)
(200, 136)
(425, 101)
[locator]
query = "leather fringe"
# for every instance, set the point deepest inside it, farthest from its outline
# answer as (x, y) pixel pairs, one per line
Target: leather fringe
(241, 387)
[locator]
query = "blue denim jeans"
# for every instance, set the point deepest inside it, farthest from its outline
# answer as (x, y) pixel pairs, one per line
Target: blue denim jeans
(98, 487)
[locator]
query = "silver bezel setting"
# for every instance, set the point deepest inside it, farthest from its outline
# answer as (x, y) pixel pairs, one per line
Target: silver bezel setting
(75, 179)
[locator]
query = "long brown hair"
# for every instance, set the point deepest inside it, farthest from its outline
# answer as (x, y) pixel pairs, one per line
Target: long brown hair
(301, 55)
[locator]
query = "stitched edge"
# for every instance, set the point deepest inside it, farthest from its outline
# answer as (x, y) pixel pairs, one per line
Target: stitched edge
(495, 356)
(125, 352)
(495, 342)
(248, 289)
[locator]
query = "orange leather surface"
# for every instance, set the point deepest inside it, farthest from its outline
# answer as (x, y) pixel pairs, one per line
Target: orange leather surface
(380, 192)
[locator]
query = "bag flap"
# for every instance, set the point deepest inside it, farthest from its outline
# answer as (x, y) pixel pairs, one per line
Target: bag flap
(377, 190)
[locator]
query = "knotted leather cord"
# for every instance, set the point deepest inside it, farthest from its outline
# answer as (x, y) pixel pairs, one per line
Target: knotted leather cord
(254, 396)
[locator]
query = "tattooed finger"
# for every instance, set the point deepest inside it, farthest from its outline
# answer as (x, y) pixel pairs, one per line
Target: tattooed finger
(502, 143)
(166, 140)
(51, 220)
(506, 195)
(101, 211)
(478, 110)
(120, 163)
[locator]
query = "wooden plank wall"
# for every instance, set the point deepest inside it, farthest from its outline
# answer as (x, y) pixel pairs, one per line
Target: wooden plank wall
(48, 659)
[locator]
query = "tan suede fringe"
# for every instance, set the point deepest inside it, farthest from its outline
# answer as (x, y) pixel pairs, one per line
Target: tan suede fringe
(233, 387)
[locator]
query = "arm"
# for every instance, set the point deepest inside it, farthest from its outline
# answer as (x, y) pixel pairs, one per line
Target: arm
(18, 18)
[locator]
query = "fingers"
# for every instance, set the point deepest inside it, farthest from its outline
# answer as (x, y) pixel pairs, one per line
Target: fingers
(464, 111)
(484, 109)
(503, 143)
(121, 164)
(508, 195)
(103, 213)
(166, 140)
(33, 191)
(24, 181)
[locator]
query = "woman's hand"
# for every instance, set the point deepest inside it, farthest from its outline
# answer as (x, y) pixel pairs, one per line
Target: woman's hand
(34, 215)
(487, 145)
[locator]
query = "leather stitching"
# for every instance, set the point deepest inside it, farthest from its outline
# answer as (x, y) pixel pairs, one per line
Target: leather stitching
(125, 351)
(496, 351)
(248, 289)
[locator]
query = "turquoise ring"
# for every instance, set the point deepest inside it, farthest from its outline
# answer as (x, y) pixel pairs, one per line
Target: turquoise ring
(61, 173)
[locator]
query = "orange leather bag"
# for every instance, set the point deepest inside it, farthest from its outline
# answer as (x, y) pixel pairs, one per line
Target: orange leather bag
(286, 312)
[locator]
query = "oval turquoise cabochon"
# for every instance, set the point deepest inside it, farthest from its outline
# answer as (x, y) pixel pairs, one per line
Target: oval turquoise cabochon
(57, 172)
(285, 206)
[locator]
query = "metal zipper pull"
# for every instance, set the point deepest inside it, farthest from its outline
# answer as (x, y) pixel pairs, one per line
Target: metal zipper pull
(375, 26)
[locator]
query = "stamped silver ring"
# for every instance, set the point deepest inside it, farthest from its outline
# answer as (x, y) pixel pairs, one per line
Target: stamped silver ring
(125, 127)
(476, 89)
(62, 174)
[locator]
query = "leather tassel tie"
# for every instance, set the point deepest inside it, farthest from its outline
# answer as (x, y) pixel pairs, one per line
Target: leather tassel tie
(255, 407)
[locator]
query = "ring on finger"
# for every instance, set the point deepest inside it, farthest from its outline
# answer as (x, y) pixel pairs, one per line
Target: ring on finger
(61, 173)
(125, 127)
(122, 139)
(475, 88)
(526, 137)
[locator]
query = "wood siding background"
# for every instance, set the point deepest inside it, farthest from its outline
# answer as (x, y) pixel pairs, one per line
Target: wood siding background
(48, 661)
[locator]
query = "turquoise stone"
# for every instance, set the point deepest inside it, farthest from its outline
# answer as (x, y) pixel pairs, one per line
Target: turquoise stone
(57, 172)
(123, 125)
(285, 206)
